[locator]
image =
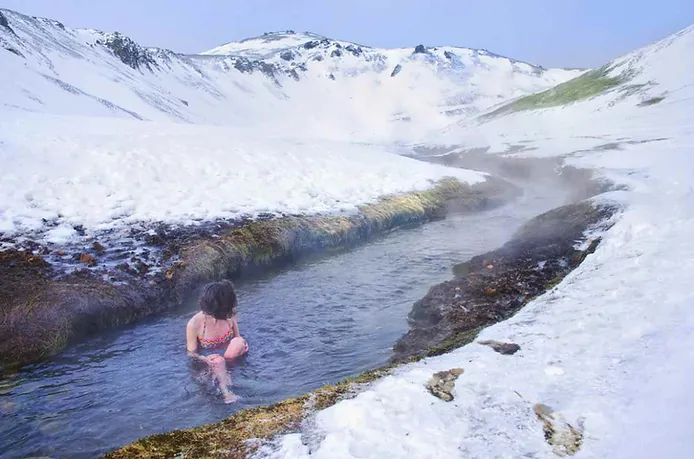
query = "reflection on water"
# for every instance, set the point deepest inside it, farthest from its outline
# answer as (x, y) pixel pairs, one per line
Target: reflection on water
(312, 324)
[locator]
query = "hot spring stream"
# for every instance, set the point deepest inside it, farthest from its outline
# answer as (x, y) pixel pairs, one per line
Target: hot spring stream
(307, 325)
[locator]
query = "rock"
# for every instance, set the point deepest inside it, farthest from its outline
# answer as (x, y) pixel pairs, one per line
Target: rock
(129, 52)
(356, 50)
(98, 248)
(287, 55)
(155, 239)
(441, 384)
(448, 54)
(565, 439)
(396, 70)
(501, 348)
(3, 21)
(126, 268)
(336, 53)
(13, 50)
(294, 74)
(315, 43)
(139, 265)
(420, 49)
(87, 259)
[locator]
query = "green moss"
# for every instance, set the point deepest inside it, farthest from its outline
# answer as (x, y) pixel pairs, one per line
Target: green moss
(588, 85)
(454, 342)
(260, 244)
(234, 437)
(462, 269)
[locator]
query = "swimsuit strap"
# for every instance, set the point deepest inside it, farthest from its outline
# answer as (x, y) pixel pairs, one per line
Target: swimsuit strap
(204, 326)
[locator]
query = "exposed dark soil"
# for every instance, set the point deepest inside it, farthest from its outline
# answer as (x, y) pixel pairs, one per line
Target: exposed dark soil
(490, 288)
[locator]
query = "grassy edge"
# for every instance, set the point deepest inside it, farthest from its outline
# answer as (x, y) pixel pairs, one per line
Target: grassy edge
(585, 86)
(241, 434)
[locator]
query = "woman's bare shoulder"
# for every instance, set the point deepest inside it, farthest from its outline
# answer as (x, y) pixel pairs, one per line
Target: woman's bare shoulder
(196, 320)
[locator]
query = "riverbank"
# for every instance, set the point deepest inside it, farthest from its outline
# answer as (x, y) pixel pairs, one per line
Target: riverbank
(45, 307)
(491, 287)
(243, 433)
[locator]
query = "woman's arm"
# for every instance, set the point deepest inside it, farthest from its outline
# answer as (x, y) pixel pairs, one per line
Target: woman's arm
(192, 341)
(237, 334)
(235, 326)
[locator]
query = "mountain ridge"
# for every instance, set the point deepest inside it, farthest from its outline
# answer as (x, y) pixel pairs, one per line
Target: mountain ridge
(312, 84)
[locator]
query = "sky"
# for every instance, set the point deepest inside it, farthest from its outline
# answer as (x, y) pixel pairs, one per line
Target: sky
(552, 33)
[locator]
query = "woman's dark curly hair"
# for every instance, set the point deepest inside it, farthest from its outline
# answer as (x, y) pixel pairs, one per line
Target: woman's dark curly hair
(219, 300)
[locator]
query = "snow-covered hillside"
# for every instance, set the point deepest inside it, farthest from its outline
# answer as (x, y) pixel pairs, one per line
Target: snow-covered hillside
(644, 96)
(298, 84)
(100, 174)
(98, 131)
(609, 348)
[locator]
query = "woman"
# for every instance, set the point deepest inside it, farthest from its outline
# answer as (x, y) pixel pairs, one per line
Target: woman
(212, 335)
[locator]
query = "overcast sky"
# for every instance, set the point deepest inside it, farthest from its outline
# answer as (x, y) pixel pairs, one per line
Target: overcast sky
(565, 33)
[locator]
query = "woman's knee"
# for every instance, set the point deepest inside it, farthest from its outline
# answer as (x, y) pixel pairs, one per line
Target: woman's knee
(236, 348)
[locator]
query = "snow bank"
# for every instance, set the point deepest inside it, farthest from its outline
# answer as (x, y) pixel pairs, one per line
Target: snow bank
(60, 172)
(591, 348)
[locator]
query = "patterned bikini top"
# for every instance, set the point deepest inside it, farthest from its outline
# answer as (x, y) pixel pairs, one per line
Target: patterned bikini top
(219, 341)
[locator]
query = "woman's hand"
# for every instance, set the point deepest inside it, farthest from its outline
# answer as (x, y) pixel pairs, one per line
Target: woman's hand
(245, 345)
(214, 359)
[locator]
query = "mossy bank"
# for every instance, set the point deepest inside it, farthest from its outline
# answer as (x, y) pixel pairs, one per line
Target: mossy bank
(44, 308)
(493, 286)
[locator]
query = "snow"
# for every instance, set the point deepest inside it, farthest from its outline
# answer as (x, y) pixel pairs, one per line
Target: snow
(107, 174)
(264, 46)
(610, 348)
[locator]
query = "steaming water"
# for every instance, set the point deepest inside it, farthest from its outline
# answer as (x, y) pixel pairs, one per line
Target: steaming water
(312, 324)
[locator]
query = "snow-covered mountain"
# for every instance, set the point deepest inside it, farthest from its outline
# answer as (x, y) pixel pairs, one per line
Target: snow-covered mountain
(284, 82)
